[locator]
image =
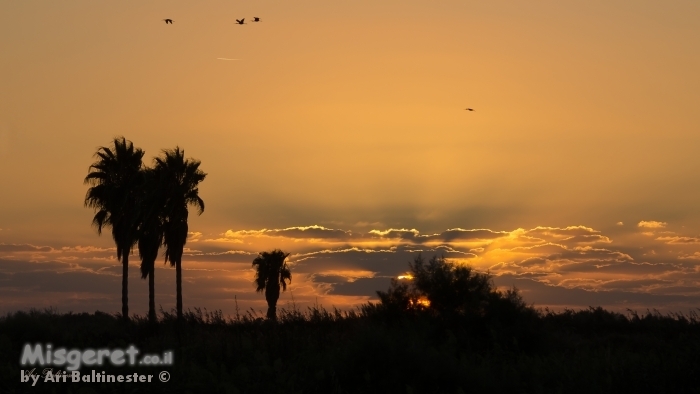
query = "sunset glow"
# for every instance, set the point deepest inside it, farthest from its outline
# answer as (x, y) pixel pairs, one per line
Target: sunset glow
(344, 141)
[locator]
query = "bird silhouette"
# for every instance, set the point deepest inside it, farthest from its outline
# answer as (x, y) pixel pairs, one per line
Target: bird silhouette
(240, 21)
(469, 109)
(256, 19)
(168, 21)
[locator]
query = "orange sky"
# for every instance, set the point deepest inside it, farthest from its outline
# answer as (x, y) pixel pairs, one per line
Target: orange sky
(346, 120)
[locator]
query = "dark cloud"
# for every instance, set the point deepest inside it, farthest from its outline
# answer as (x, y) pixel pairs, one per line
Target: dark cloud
(319, 278)
(231, 256)
(21, 266)
(403, 234)
(532, 274)
(407, 235)
(588, 253)
(633, 284)
(549, 249)
(62, 282)
(361, 287)
(447, 236)
(316, 232)
(586, 239)
(334, 263)
(309, 232)
(614, 267)
(531, 261)
(459, 234)
(39, 284)
(386, 262)
(679, 240)
(677, 289)
(542, 294)
(562, 232)
(24, 248)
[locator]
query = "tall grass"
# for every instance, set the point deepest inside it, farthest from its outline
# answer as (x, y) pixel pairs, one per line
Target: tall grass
(370, 350)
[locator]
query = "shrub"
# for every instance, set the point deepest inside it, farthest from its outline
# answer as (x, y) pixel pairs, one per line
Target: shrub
(452, 290)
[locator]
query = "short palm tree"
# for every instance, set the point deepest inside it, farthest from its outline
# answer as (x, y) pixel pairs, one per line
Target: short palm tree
(150, 234)
(115, 177)
(271, 273)
(180, 180)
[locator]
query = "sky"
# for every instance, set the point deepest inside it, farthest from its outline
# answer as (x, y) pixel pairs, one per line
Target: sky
(338, 133)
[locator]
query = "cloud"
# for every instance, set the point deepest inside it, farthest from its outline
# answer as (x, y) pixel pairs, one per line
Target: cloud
(587, 238)
(651, 224)
(679, 240)
(615, 268)
(558, 297)
(395, 233)
(321, 233)
(391, 261)
(24, 248)
(308, 232)
(634, 284)
(87, 249)
(193, 236)
(369, 224)
(361, 287)
(341, 266)
(563, 232)
(451, 235)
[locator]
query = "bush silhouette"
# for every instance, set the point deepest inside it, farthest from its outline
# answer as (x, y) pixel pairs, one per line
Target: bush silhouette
(446, 289)
(465, 300)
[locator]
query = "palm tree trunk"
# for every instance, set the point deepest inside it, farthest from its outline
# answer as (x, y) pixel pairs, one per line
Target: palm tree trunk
(178, 280)
(272, 294)
(272, 312)
(125, 284)
(151, 294)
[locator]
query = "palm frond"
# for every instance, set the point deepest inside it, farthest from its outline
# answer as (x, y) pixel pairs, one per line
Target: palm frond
(113, 177)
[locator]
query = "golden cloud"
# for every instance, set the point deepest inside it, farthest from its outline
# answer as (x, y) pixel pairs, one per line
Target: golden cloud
(651, 224)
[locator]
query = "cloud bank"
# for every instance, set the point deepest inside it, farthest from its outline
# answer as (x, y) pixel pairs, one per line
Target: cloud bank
(648, 266)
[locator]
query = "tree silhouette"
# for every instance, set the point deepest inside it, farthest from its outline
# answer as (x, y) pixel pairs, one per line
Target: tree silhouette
(449, 289)
(271, 272)
(115, 178)
(180, 178)
(150, 234)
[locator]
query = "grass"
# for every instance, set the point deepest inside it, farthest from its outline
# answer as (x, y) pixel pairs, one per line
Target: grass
(370, 350)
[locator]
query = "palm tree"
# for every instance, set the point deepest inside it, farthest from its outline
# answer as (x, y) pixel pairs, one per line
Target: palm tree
(180, 179)
(150, 233)
(271, 272)
(115, 176)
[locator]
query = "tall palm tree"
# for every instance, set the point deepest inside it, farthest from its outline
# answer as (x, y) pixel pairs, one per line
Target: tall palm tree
(115, 177)
(150, 234)
(180, 178)
(271, 272)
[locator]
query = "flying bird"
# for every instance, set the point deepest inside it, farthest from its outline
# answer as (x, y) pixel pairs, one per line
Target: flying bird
(240, 21)
(469, 109)
(168, 21)
(256, 19)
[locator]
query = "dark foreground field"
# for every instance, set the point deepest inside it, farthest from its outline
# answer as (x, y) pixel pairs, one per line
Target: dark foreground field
(371, 350)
